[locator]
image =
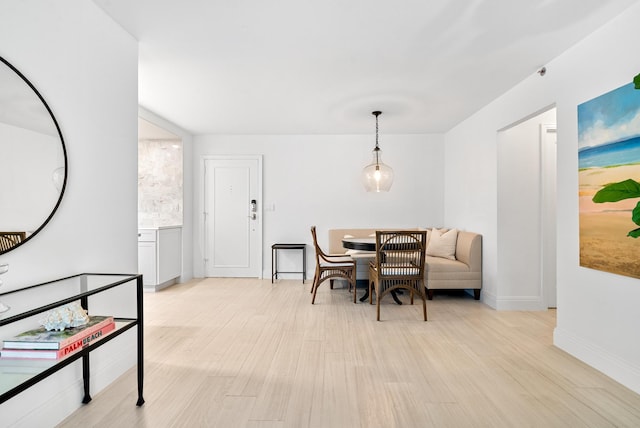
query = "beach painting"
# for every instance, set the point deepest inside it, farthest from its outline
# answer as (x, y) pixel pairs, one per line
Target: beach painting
(609, 181)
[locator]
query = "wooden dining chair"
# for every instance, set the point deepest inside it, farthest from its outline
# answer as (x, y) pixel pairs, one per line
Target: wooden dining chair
(331, 266)
(8, 240)
(399, 264)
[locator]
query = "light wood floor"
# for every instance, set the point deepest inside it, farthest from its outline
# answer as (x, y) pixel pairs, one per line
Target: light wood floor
(246, 353)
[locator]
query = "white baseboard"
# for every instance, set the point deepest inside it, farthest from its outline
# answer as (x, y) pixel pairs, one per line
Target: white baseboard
(488, 299)
(622, 371)
(520, 303)
(512, 303)
(158, 287)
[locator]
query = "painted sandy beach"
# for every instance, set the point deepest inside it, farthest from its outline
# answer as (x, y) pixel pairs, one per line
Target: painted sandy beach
(604, 244)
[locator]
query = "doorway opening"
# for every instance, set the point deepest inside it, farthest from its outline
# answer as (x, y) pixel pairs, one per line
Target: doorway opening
(160, 206)
(527, 213)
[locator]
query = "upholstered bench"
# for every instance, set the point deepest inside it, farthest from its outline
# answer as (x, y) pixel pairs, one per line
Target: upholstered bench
(462, 271)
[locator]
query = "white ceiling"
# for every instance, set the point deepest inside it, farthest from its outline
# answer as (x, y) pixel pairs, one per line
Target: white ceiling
(322, 66)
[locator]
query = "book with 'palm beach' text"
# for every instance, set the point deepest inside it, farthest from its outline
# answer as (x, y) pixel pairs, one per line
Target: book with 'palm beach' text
(68, 349)
(40, 338)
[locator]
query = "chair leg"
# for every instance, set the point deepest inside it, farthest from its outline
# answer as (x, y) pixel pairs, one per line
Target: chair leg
(315, 286)
(315, 290)
(355, 288)
(424, 307)
(315, 278)
(370, 292)
(331, 284)
(377, 306)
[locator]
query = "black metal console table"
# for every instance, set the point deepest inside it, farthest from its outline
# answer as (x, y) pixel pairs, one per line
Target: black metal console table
(274, 259)
(34, 300)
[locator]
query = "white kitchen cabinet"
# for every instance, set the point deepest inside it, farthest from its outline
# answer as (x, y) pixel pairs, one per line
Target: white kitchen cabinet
(160, 256)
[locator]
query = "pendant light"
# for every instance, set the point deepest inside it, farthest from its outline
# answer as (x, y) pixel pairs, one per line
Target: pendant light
(377, 176)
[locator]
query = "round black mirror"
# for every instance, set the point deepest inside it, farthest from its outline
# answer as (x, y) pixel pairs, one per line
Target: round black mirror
(33, 164)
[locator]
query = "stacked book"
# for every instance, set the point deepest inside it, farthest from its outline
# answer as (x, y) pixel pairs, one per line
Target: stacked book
(43, 344)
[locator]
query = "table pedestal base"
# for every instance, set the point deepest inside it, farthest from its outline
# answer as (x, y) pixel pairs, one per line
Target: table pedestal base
(394, 294)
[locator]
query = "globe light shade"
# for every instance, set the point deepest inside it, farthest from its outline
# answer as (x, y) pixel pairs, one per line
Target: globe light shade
(377, 176)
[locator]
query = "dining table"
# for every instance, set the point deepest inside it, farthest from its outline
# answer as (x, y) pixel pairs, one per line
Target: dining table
(360, 244)
(366, 248)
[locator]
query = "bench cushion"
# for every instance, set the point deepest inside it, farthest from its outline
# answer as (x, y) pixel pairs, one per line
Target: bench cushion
(439, 264)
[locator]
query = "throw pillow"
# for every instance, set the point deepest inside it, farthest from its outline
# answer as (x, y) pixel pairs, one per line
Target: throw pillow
(442, 244)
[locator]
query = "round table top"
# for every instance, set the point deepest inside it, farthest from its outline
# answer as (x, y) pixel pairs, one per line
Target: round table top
(362, 244)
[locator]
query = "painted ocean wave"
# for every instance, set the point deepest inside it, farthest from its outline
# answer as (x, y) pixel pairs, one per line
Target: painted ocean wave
(623, 152)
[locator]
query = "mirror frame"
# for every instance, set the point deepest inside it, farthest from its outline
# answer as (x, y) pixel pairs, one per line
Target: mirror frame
(64, 154)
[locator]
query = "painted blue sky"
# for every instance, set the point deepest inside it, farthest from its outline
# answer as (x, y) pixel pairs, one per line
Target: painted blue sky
(611, 117)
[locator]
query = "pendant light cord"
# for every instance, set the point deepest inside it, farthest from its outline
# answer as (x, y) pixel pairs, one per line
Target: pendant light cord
(376, 114)
(377, 131)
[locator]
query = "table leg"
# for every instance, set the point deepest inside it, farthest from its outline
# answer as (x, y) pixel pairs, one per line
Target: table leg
(273, 253)
(394, 294)
(140, 328)
(395, 297)
(85, 378)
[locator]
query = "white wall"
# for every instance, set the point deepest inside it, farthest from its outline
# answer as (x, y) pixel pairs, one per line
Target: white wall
(598, 314)
(315, 180)
(85, 66)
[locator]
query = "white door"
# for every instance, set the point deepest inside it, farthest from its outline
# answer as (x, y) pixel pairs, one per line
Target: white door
(232, 217)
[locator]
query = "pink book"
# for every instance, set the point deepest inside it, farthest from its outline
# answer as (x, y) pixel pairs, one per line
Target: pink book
(52, 354)
(40, 338)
